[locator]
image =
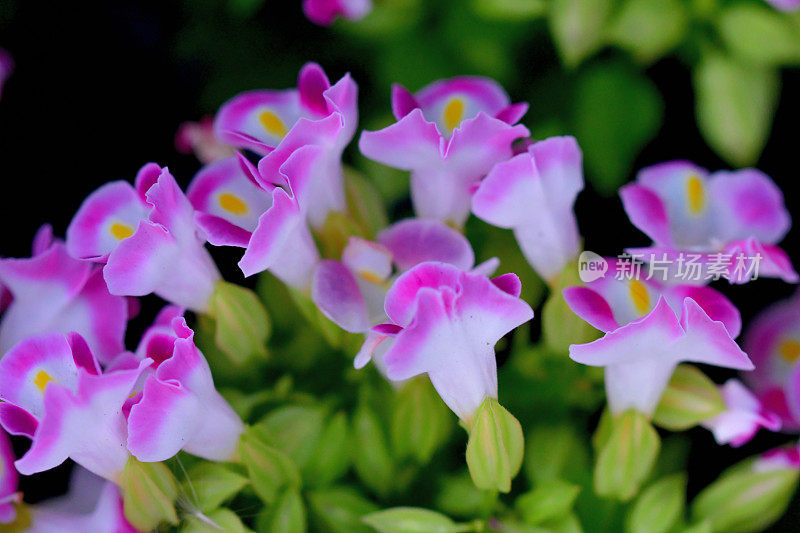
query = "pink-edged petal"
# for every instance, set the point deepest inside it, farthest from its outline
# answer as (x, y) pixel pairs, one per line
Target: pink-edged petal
(401, 298)
(414, 241)
(368, 259)
(592, 307)
(257, 120)
(223, 190)
(707, 341)
(411, 143)
(43, 239)
(750, 259)
(9, 480)
(282, 243)
(647, 212)
(342, 98)
(82, 354)
(220, 232)
(311, 84)
(508, 283)
(715, 304)
(377, 340)
(513, 113)
(450, 102)
(324, 12)
(504, 197)
(403, 102)
(742, 418)
(17, 421)
(107, 216)
(748, 203)
(146, 177)
(488, 267)
(336, 293)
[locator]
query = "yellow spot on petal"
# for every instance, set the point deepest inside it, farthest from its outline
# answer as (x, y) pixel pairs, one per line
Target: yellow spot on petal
(371, 276)
(120, 230)
(789, 350)
(453, 113)
(232, 203)
(639, 296)
(695, 194)
(42, 379)
(272, 123)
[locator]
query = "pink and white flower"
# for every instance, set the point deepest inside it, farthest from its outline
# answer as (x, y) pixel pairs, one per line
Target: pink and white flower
(445, 321)
(773, 342)
(52, 292)
(449, 135)
(277, 123)
(731, 220)
(744, 415)
(9, 481)
(785, 5)
(783, 458)
(534, 193)
(324, 12)
(351, 292)
(237, 206)
(147, 238)
(179, 408)
(649, 329)
(199, 138)
(55, 394)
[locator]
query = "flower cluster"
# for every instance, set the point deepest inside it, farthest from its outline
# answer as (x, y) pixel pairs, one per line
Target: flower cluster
(274, 184)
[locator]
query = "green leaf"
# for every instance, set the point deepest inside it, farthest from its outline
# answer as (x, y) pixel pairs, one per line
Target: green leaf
(690, 398)
(331, 458)
(555, 452)
(339, 510)
(293, 429)
(372, 458)
(577, 27)
(411, 520)
(617, 111)
(549, 500)
(420, 423)
(745, 499)
(660, 506)
(286, 515)
(495, 447)
(511, 10)
(211, 484)
(269, 469)
(626, 458)
(242, 323)
(458, 496)
(148, 491)
(648, 29)
(214, 522)
(759, 33)
(735, 106)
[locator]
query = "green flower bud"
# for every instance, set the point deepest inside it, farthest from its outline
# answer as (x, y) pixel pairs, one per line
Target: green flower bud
(269, 469)
(148, 491)
(560, 325)
(660, 506)
(495, 447)
(689, 399)
(412, 520)
(242, 323)
(626, 457)
(549, 500)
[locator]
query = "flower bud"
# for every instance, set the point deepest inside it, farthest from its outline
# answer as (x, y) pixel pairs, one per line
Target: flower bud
(660, 507)
(626, 456)
(242, 323)
(420, 422)
(689, 399)
(148, 491)
(408, 519)
(269, 469)
(495, 447)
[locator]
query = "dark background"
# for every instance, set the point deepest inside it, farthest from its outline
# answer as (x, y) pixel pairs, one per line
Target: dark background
(100, 88)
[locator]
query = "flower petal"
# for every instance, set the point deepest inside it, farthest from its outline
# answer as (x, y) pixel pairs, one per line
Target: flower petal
(414, 241)
(336, 293)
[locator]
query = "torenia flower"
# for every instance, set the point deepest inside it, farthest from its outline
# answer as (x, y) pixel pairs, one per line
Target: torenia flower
(324, 12)
(238, 207)
(179, 407)
(773, 342)
(277, 123)
(743, 416)
(351, 292)
(51, 291)
(727, 222)
(445, 322)
(449, 135)
(148, 239)
(91, 505)
(199, 138)
(533, 193)
(6, 68)
(55, 394)
(649, 329)
(9, 480)
(787, 457)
